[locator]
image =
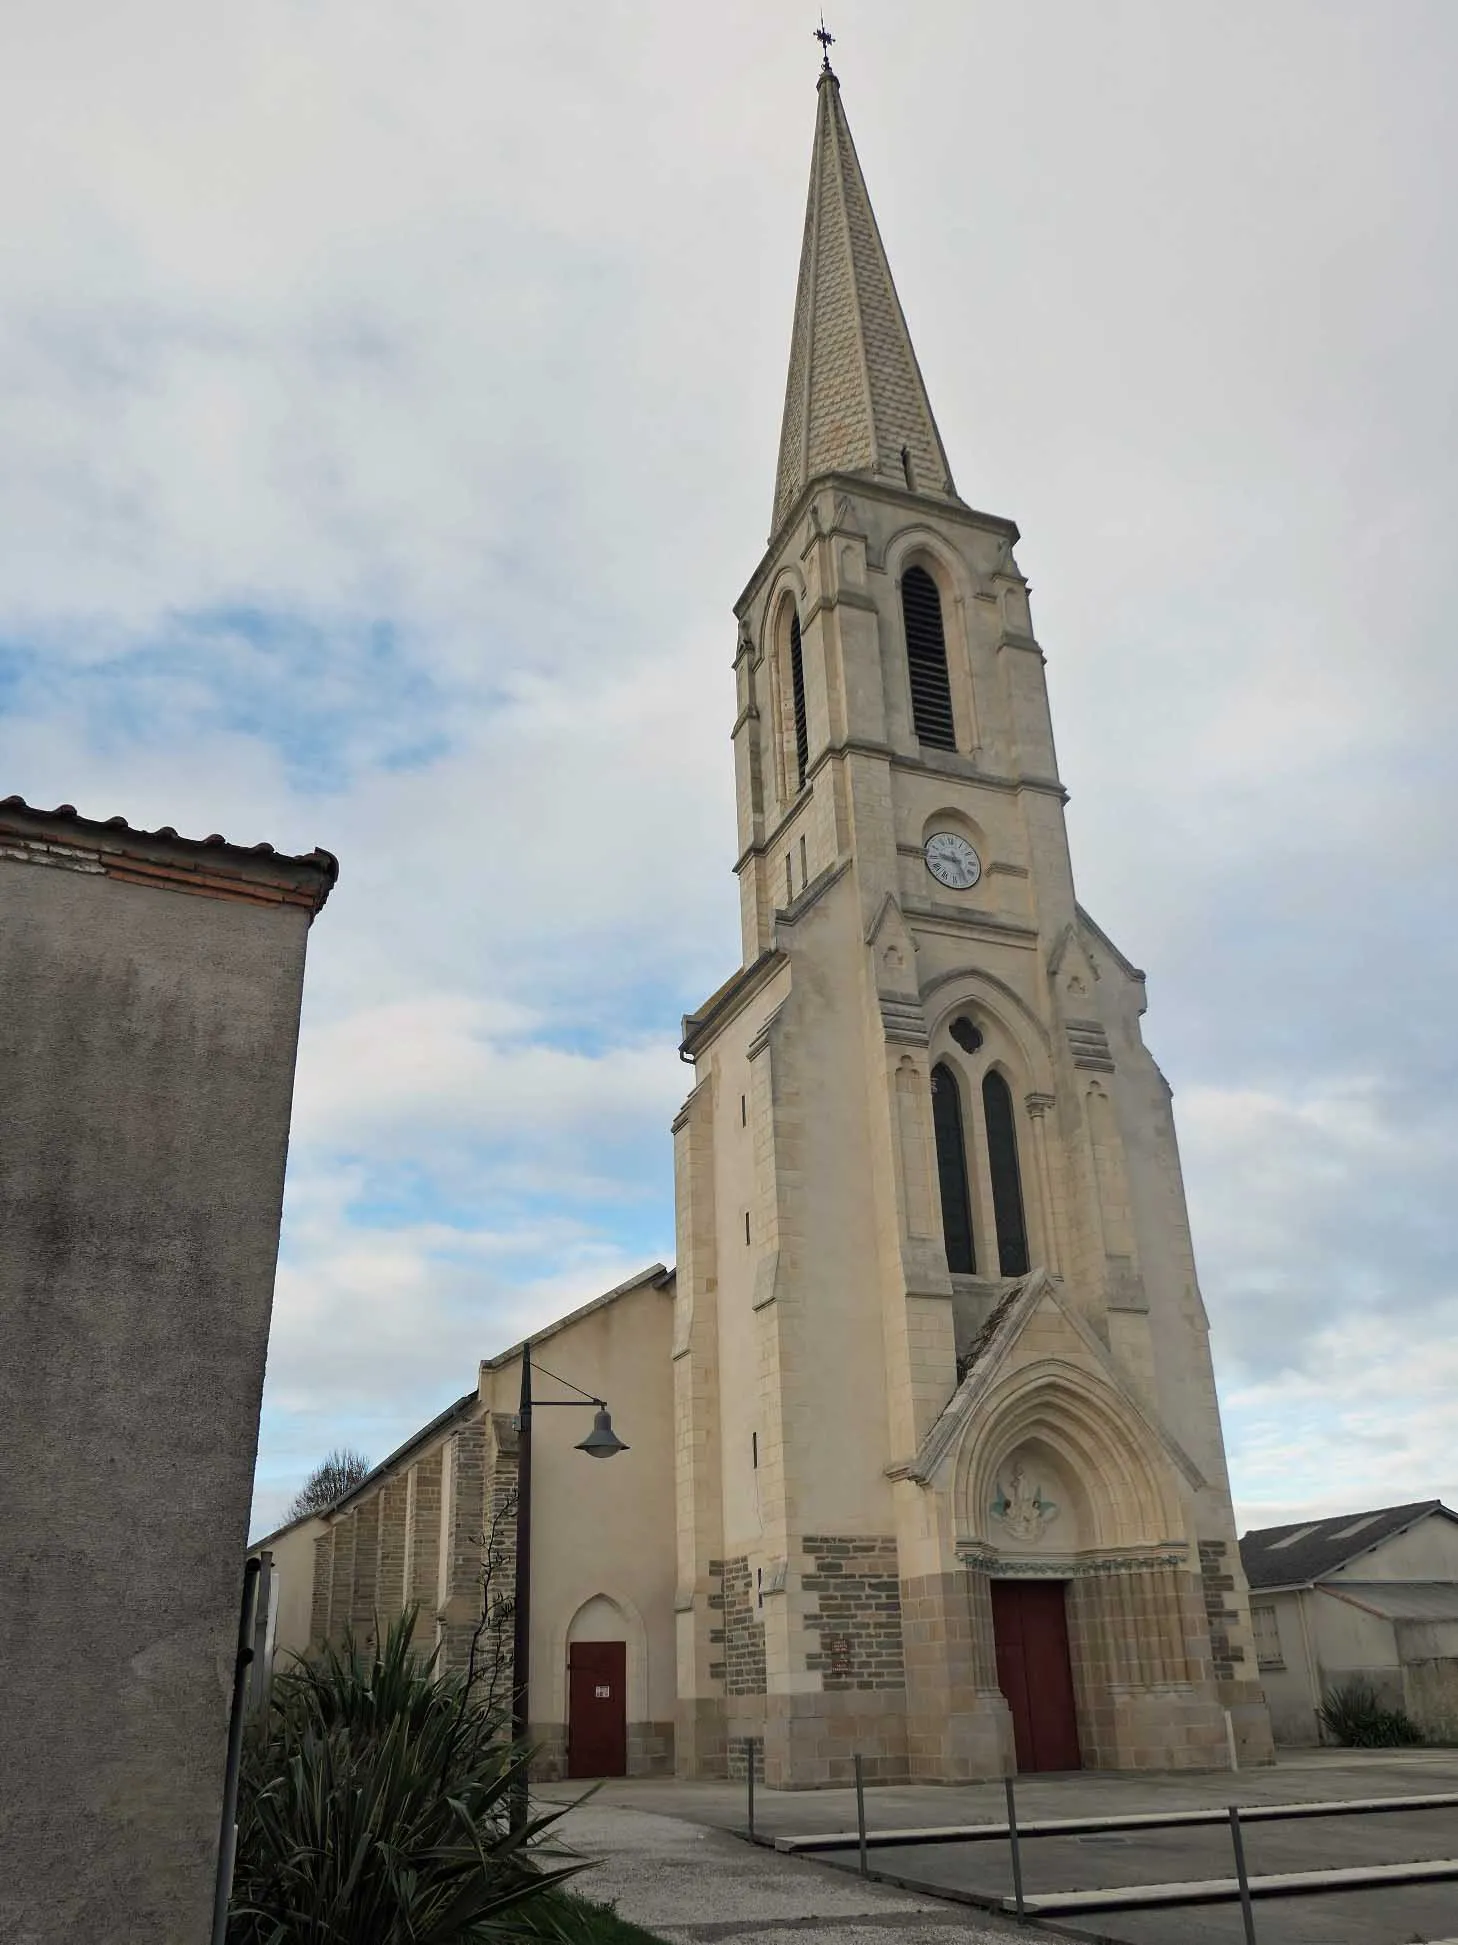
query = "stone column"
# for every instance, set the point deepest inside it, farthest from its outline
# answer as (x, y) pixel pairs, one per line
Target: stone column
(699, 1732)
(341, 1585)
(423, 1566)
(362, 1598)
(1142, 1704)
(1038, 1106)
(466, 1539)
(958, 1726)
(323, 1583)
(390, 1587)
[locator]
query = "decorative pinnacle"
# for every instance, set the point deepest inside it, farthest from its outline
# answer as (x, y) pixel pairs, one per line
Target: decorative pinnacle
(827, 41)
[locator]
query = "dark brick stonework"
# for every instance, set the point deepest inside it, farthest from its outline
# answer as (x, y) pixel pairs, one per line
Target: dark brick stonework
(716, 1606)
(1218, 1585)
(743, 1631)
(858, 1612)
(737, 1758)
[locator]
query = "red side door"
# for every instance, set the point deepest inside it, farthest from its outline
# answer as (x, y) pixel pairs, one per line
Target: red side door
(1030, 1633)
(597, 1708)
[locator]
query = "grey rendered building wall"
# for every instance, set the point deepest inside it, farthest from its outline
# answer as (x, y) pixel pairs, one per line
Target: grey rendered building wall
(149, 1008)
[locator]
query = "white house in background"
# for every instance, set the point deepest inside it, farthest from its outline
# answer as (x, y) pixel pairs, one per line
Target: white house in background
(1362, 1594)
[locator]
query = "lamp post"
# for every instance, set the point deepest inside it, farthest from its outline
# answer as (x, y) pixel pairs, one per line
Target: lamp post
(602, 1442)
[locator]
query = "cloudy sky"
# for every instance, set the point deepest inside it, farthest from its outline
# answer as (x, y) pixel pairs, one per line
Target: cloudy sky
(388, 404)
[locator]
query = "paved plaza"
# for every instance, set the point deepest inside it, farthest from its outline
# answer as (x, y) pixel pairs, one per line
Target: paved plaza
(679, 1846)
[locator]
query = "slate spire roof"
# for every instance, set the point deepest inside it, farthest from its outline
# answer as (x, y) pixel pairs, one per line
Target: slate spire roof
(855, 401)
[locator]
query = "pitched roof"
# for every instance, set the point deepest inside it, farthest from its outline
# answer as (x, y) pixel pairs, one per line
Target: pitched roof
(117, 849)
(1400, 1600)
(1308, 1550)
(855, 396)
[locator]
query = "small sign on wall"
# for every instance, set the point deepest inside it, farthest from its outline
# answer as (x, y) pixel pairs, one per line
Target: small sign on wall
(603, 1692)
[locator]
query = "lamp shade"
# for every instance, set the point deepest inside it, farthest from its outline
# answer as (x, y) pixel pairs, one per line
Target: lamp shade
(602, 1442)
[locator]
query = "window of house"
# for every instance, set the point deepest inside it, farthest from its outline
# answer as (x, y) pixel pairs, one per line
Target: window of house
(926, 660)
(952, 1172)
(1267, 1635)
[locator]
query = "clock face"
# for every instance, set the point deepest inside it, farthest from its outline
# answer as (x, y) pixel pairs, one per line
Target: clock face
(952, 861)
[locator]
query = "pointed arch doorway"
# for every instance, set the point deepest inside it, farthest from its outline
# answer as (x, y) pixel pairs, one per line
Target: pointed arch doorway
(597, 1709)
(597, 1690)
(1035, 1672)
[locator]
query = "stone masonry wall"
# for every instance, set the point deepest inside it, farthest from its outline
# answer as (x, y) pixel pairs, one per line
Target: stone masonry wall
(466, 1536)
(390, 1583)
(363, 1596)
(743, 1629)
(1218, 1584)
(858, 1612)
(423, 1566)
(323, 1579)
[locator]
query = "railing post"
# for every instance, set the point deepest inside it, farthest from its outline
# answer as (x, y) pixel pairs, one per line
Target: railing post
(1017, 1856)
(1238, 1842)
(228, 1832)
(749, 1772)
(861, 1812)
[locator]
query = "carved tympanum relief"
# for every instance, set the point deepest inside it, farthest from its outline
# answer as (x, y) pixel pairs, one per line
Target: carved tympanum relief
(1021, 1507)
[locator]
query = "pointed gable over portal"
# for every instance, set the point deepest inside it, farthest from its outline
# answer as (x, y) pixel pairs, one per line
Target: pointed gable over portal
(855, 400)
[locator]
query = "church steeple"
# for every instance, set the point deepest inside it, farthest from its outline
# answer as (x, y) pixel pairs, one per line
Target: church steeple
(855, 401)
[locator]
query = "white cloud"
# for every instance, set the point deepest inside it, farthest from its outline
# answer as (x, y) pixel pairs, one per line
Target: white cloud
(389, 401)
(1367, 1422)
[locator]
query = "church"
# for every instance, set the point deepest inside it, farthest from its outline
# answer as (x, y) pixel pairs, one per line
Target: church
(924, 1460)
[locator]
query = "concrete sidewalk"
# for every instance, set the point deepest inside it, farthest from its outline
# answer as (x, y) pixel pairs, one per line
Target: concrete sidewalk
(693, 1885)
(1306, 1775)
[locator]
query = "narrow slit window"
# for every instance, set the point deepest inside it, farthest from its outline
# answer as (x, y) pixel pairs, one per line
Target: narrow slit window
(746, 1225)
(797, 693)
(926, 660)
(952, 1172)
(789, 879)
(744, 1110)
(1007, 1186)
(754, 1449)
(804, 866)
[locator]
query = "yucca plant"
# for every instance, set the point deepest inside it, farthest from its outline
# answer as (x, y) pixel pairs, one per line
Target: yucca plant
(1355, 1715)
(375, 1810)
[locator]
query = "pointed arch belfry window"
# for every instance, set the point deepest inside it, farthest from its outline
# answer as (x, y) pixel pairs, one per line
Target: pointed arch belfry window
(797, 702)
(952, 1172)
(926, 660)
(1007, 1187)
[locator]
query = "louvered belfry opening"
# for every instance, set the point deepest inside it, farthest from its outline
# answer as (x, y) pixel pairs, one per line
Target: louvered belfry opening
(797, 692)
(952, 1172)
(926, 660)
(1007, 1186)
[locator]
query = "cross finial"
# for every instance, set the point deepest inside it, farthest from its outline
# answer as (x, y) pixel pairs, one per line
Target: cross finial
(827, 41)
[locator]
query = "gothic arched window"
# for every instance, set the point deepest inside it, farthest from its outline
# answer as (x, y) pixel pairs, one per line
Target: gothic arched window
(926, 660)
(952, 1172)
(797, 701)
(1007, 1188)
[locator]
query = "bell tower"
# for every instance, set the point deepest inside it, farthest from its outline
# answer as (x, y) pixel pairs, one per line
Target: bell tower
(938, 1333)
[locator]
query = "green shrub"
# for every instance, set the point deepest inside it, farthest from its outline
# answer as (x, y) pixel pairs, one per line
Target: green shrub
(561, 1919)
(1355, 1714)
(374, 1809)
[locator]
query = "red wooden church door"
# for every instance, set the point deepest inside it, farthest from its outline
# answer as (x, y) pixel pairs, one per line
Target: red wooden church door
(1030, 1632)
(597, 1708)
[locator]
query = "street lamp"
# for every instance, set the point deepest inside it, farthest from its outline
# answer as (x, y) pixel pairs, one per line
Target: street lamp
(602, 1442)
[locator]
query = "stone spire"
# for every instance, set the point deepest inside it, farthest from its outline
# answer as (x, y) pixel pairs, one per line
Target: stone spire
(855, 401)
